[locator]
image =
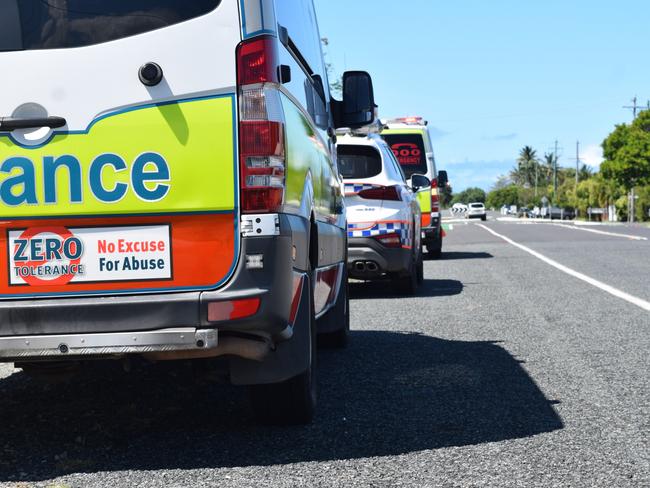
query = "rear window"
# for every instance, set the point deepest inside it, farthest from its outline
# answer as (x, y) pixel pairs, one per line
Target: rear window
(409, 151)
(476, 205)
(55, 24)
(358, 161)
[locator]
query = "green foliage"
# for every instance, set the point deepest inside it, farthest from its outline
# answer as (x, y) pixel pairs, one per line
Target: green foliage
(469, 196)
(626, 166)
(550, 162)
(499, 197)
(527, 169)
(627, 153)
(642, 204)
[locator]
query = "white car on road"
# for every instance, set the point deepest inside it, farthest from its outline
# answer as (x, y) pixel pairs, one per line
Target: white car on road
(476, 210)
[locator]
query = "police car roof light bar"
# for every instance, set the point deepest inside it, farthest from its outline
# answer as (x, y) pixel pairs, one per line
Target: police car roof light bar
(412, 120)
(373, 128)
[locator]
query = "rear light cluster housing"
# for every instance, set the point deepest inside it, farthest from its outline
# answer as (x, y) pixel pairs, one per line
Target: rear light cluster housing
(262, 154)
(435, 196)
(381, 193)
(390, 240)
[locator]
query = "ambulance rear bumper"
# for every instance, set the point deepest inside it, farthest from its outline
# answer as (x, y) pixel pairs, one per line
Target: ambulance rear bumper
(74, 345)
(154, 314)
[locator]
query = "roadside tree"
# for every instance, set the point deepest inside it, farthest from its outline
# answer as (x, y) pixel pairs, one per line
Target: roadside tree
(470, 195)
(627, 153)
(499, 197)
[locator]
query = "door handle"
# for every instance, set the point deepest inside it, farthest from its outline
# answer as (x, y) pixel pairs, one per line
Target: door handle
(13, 123)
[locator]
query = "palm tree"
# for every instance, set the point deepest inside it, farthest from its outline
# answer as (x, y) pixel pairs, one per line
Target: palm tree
(549, 167)
(585, 172)
(527, 167)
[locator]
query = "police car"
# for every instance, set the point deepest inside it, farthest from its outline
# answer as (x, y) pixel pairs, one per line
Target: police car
(409, 139)
(382, 211)
(169, 189)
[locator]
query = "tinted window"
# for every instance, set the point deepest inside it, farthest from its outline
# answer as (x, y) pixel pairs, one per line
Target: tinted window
(409, 151)
(299, 18)
(358, 162)
(397, 172)
(52, 24)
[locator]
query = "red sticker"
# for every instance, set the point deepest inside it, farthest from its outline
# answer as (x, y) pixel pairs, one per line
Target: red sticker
(59, 243)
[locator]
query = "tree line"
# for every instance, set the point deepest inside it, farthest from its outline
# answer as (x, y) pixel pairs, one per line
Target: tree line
(624, 172)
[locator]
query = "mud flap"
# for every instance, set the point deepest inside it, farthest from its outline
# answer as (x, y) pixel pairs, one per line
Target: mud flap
(331, 320)
(289, 359)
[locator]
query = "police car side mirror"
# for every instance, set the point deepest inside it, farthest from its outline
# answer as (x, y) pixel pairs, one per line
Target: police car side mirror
(443, 179)
(358, 105)
(419, 181)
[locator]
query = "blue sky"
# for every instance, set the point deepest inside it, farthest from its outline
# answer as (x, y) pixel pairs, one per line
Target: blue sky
(493, 76)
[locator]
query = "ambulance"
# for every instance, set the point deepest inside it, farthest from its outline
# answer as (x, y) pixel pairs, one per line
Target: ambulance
(409, 139)
(169, 189)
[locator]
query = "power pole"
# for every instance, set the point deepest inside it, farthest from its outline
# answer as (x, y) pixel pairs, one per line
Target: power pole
(634, 107)
(555, 170)
(577, 174)
(577, 164)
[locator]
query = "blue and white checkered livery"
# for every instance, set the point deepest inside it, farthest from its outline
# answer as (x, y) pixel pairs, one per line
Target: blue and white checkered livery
(368, 229)
(355, 188)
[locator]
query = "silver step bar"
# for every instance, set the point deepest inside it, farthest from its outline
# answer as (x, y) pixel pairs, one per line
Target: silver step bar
(102, 344)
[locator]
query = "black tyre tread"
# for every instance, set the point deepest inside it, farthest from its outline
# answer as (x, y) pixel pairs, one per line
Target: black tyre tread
(407, 283)
(291, 402)
(434, 253)
(420, 268)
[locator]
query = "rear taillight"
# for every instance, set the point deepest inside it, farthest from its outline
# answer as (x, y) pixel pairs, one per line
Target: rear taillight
(435, 196)
(390, 240)
(257, 61)
(381, 193)
(261, 127)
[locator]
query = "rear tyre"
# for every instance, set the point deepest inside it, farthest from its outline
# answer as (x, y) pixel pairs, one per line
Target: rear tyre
(434, 250)
(420, 267)
(407, 283)
(291, 402)
(484, 218)
(434, 253)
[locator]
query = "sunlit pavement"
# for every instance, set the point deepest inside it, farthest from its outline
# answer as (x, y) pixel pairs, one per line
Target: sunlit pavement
(503, 371)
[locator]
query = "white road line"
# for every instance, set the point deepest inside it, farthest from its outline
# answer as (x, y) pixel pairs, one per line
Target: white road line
(605, 233)
(598, 284)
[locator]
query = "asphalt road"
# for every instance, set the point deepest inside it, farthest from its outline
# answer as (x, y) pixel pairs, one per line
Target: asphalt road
(504, 371)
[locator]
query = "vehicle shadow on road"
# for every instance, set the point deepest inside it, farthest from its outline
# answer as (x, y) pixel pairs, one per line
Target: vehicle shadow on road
(455, 255)
(390, 393)
(383, 289)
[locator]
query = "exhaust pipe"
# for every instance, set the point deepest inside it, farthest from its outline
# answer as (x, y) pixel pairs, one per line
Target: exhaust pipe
(360, 266)
(372, 266)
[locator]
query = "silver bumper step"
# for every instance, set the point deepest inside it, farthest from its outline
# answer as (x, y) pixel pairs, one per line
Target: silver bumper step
(164, 340)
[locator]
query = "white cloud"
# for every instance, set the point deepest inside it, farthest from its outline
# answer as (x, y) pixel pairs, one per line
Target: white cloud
(592, 155)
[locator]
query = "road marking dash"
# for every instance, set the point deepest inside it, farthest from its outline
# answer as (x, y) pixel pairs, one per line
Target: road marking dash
(603, 232)
(587, 279)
